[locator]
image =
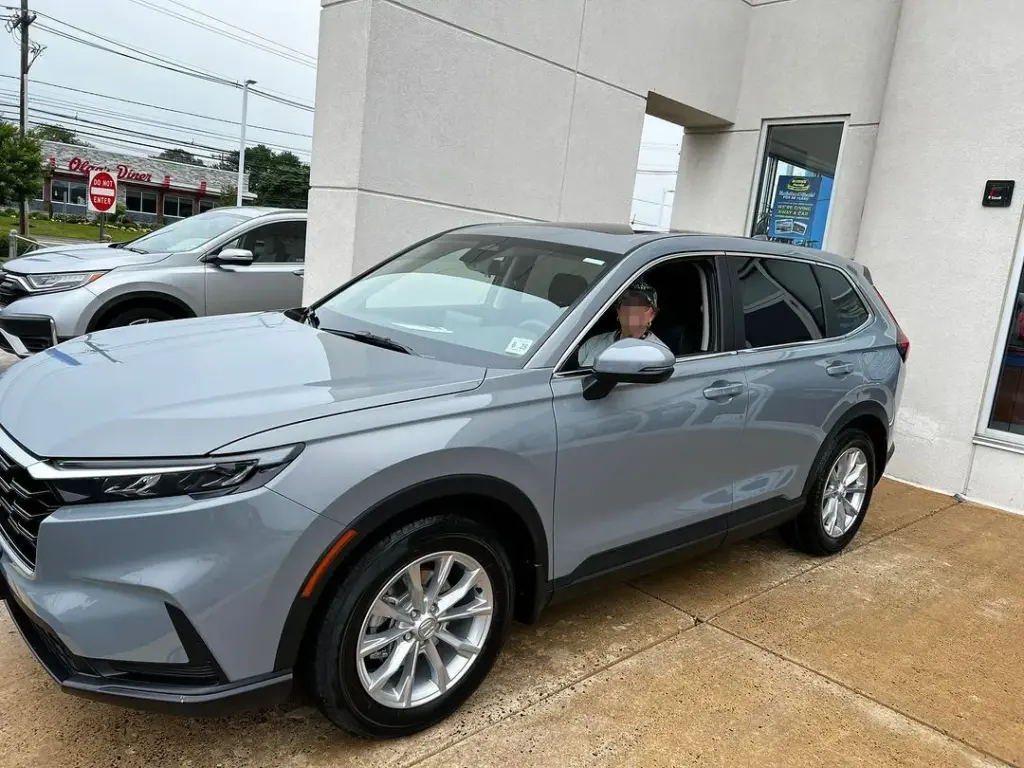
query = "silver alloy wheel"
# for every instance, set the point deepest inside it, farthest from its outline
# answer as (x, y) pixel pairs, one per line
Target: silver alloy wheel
(425, 629)
(140, 321)
(845, 490)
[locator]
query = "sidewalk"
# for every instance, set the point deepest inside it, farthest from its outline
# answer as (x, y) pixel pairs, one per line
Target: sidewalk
(906, 650)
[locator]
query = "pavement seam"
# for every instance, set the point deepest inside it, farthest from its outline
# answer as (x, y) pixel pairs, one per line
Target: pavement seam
(555, 692)
(864, 695)
(824, 562)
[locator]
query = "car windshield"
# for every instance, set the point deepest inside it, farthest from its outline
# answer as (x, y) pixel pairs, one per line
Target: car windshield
(473, 299)
(187, 234)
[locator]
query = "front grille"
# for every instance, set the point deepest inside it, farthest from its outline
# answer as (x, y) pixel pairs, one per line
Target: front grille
(10, 290)
(24, 503)
(4, 346)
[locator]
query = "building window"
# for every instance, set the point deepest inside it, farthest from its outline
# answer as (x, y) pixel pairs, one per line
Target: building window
(38, 194)
(140, 200)
(206, 204)
(1008, 408)
(67, 192)
(797, 175)
(178, 207)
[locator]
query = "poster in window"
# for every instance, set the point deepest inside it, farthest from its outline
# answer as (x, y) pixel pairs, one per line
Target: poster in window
(793, 207)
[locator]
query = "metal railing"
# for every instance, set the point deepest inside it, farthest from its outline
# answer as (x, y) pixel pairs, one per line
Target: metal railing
(13, 238)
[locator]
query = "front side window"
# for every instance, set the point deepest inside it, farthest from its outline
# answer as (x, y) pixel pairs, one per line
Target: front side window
(188, 234)
(477, 299)
(1008, 408)
(280, 242)
(782, 303)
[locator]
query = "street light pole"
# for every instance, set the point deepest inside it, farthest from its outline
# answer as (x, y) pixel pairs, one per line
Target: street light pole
(241, 145)
(25, 21)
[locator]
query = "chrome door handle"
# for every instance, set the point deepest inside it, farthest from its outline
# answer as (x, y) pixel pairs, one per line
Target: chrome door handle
(839, 369)
(299, 272)
(721, 390)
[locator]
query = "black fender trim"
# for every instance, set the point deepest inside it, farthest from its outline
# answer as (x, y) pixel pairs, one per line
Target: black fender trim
(856, 411)
(381, 515)
(131, 298)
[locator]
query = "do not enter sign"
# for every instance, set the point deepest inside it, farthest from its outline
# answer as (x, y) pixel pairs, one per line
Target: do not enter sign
(102, 191)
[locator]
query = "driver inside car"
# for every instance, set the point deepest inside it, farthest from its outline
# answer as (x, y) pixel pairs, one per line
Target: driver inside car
(636, 309)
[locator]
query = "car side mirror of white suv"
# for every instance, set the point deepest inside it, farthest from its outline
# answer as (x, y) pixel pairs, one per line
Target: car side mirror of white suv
(233, 257)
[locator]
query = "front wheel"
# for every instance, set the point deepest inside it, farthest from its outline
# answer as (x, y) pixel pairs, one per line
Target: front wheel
(414, 628)
(840, 495)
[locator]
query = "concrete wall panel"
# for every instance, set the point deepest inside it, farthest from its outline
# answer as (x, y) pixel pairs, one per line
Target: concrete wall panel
(544, 28)
(688, 50)
(943, 261)
(604, 141)
(716, 175)
(817, 57)
(851, 191)
(330, 239)
(340, 94)
(459, 120)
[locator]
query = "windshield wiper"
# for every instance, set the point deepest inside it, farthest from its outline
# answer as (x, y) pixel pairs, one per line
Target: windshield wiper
(134, 250)
(371, 338)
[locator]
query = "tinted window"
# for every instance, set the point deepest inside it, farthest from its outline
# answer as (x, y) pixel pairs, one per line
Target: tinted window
(781, 302)
(280, 242)
(849, 311)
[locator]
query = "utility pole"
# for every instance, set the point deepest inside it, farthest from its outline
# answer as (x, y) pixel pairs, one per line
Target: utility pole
(241, 145)
(24, 21)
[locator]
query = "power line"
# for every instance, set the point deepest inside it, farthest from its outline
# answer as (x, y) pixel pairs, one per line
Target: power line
(164, 109)
(128, 117)
(305, 60)
(161, 62)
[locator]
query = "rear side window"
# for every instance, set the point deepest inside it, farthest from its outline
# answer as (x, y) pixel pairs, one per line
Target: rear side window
(848, 311)
(782, 303)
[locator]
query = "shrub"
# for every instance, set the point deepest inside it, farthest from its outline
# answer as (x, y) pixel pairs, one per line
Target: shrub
(39, 215)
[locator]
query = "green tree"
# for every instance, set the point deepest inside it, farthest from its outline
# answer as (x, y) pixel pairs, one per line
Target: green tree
(50, 132)
(277, 179)
(228, 195)
(21, 165)
(180, 156)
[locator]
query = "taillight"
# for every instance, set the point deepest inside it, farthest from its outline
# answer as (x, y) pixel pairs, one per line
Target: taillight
(902, 342)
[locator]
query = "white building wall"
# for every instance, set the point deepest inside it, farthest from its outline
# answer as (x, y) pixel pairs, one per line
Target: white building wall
(436, 113)
(804, 59)
(953, 117)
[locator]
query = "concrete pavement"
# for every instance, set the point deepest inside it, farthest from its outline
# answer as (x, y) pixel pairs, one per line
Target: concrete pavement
(906, 650)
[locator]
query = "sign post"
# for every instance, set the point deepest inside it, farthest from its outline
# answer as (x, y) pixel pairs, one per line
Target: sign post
(102, 195)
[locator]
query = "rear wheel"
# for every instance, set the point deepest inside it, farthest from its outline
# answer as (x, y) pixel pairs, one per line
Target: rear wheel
(839, 498)
(413, 629)
(136, 316)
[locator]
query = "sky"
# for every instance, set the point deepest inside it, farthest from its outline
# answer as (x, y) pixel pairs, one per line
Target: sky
(656, 175)
(136, 23)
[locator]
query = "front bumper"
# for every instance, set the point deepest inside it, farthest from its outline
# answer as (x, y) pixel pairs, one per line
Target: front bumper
(102, 681)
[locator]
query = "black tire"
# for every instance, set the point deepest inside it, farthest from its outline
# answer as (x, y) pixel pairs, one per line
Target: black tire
(136, 315)
(807, 532)
(340, 695)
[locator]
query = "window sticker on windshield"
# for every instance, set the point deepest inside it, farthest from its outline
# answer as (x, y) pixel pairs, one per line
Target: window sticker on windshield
(589, 260)
(518, 346)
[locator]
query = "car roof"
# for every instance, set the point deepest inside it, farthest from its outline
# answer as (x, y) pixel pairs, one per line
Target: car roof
(622, 238)
(255, 211)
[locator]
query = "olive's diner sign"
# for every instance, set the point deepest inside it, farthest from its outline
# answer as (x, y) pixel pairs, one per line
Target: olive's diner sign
(124, 172)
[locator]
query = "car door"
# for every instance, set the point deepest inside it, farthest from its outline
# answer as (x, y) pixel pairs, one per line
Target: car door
(648, 469)
(801, 368)
(272, 281)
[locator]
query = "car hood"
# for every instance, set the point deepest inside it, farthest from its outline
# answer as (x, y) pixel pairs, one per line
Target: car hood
(188, 387)
(79, 258)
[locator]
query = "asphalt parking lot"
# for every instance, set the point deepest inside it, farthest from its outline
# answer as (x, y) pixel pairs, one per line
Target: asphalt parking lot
(905, 650)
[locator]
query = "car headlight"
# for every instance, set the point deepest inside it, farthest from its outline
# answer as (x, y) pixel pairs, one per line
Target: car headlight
(61, 281)
(95, 482)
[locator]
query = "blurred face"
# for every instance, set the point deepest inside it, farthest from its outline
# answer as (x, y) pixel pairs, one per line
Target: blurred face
(634, 320)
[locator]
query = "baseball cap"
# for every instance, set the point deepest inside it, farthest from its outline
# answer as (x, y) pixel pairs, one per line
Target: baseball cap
(640, 293)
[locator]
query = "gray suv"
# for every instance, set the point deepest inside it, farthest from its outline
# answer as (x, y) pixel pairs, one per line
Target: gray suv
(222, 261)
(361, 495)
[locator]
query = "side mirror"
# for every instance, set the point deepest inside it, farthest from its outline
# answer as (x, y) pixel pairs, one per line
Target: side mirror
(629, 361)
(233, 257)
